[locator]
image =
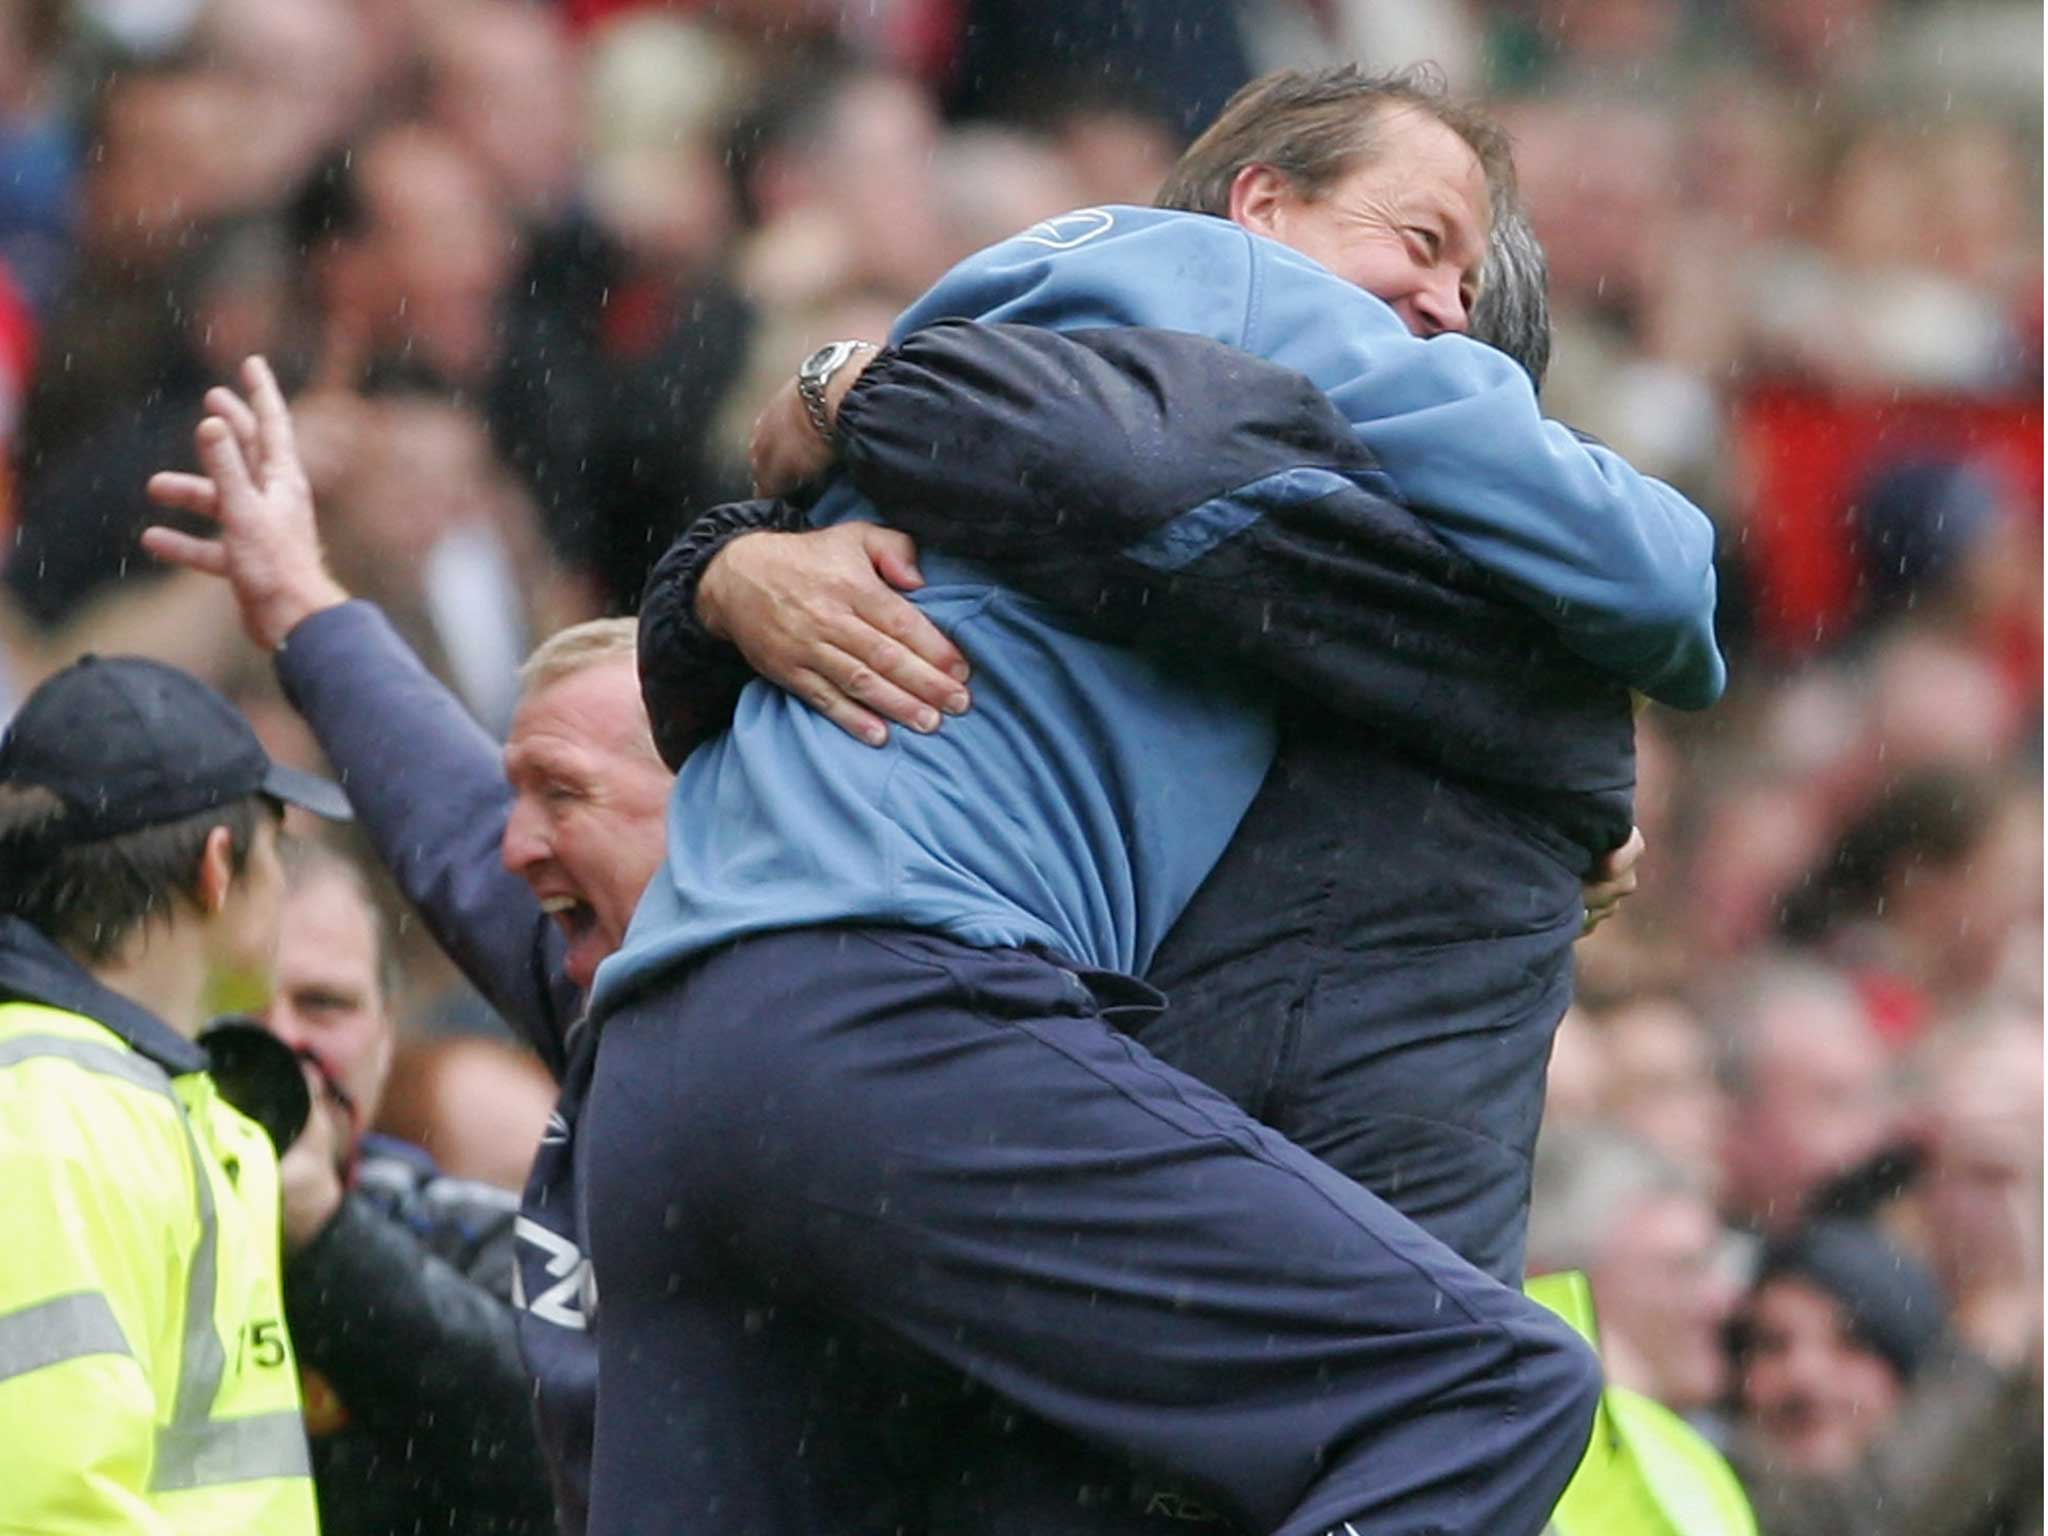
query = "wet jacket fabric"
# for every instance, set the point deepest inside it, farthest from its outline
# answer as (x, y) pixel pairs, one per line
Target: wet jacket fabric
(1377, 963)
(417, 1405)
(1070, 840)
(147, 1381)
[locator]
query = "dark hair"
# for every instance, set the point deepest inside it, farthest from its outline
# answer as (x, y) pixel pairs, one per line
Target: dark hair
(1931, 818)
(1892, 1303)
(1512, 312)
(90, 896)
(308, 863)
(791, 114)
(1314, 126)
(328, 204)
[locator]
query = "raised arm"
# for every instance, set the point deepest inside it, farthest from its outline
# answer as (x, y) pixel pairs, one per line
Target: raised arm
(423, 777)
(425, 782)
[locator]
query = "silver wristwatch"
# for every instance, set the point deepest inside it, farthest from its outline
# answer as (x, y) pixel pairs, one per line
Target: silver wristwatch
(816, 371)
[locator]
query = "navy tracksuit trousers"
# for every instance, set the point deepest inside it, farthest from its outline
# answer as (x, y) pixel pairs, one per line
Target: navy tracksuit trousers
(822, 1171)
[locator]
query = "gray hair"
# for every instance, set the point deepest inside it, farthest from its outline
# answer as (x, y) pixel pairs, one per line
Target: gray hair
(1585, 1182)
(1512, 312)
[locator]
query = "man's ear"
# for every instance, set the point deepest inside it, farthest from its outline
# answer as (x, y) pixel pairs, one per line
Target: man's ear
(1259, 199)
(216, 871)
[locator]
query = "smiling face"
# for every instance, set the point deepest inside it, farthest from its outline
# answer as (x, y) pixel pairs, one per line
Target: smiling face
(1819, 1396)
(589, 794)
(1408, 226)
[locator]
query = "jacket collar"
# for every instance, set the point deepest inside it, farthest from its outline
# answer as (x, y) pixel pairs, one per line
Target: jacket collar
(34, 969)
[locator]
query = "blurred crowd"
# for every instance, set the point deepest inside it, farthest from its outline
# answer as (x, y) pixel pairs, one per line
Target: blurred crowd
(528, 270)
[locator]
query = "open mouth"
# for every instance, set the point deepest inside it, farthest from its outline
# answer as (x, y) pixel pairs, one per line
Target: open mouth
(574, 917)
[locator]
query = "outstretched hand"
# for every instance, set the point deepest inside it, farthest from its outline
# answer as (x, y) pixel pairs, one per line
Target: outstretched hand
(254, 488)
(821, 614)
(1613, 880)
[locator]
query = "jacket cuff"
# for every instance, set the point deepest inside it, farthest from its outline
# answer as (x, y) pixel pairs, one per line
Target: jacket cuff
(690, 679)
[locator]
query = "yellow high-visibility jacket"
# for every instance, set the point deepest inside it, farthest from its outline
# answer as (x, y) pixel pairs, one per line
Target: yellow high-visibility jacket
(146, 1380)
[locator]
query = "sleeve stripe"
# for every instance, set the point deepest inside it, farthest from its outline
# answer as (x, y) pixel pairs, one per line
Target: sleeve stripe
(63, 1328)
(212, 1452)
(106, 1060)
(1200, 531)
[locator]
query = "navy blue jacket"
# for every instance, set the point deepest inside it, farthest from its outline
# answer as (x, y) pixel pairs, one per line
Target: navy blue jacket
(1377, 963)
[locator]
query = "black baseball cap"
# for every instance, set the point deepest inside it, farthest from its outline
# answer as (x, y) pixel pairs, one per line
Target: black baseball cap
(125, 742)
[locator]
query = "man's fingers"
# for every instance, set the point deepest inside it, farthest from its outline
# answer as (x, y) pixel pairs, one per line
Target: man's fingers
(867, 682)
(895, 561)
(895, 556)
(831, 701)
(903, 648)
(273, 417)
(1620, 863)
(195, 554)
(234, 410)
(184, 493)
(221, 457)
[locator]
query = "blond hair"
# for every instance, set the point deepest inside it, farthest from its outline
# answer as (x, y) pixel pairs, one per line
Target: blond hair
(576, 649)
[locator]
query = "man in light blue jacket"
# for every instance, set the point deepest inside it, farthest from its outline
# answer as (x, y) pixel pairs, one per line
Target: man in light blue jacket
(858, 1080)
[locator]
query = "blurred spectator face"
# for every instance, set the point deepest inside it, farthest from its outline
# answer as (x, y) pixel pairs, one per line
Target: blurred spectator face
(1975, 179)
(878, 174)
(1817, 1101)
(329, 1000)
(671, 208)
(1613, 33)
(997, 181)
(423, 467)
(1745, 163)
(588, 799)
(1959, 917)
(504, 89)
(301, 69)
(1759, 839)
(1604, 218)
(1116, 157)
(1874, 215)
(1939, 704)
(1811, 39)
(1661, 1086)
(158, 170)
(1981, 1192)
(1663, 1286)
(428, 271)
(1818, 1396)
(1410, 227)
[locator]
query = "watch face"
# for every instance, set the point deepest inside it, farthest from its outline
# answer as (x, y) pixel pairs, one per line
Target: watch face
(819, 361)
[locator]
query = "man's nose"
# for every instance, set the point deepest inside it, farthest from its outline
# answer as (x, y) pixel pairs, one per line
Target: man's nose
(523, 845)
(284, 1022)
(1441, 306)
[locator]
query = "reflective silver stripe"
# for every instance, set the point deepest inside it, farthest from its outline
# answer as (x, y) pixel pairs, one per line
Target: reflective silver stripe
(106, 1060)
(182, 1444)
(216, 1451)
(63, 1328)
